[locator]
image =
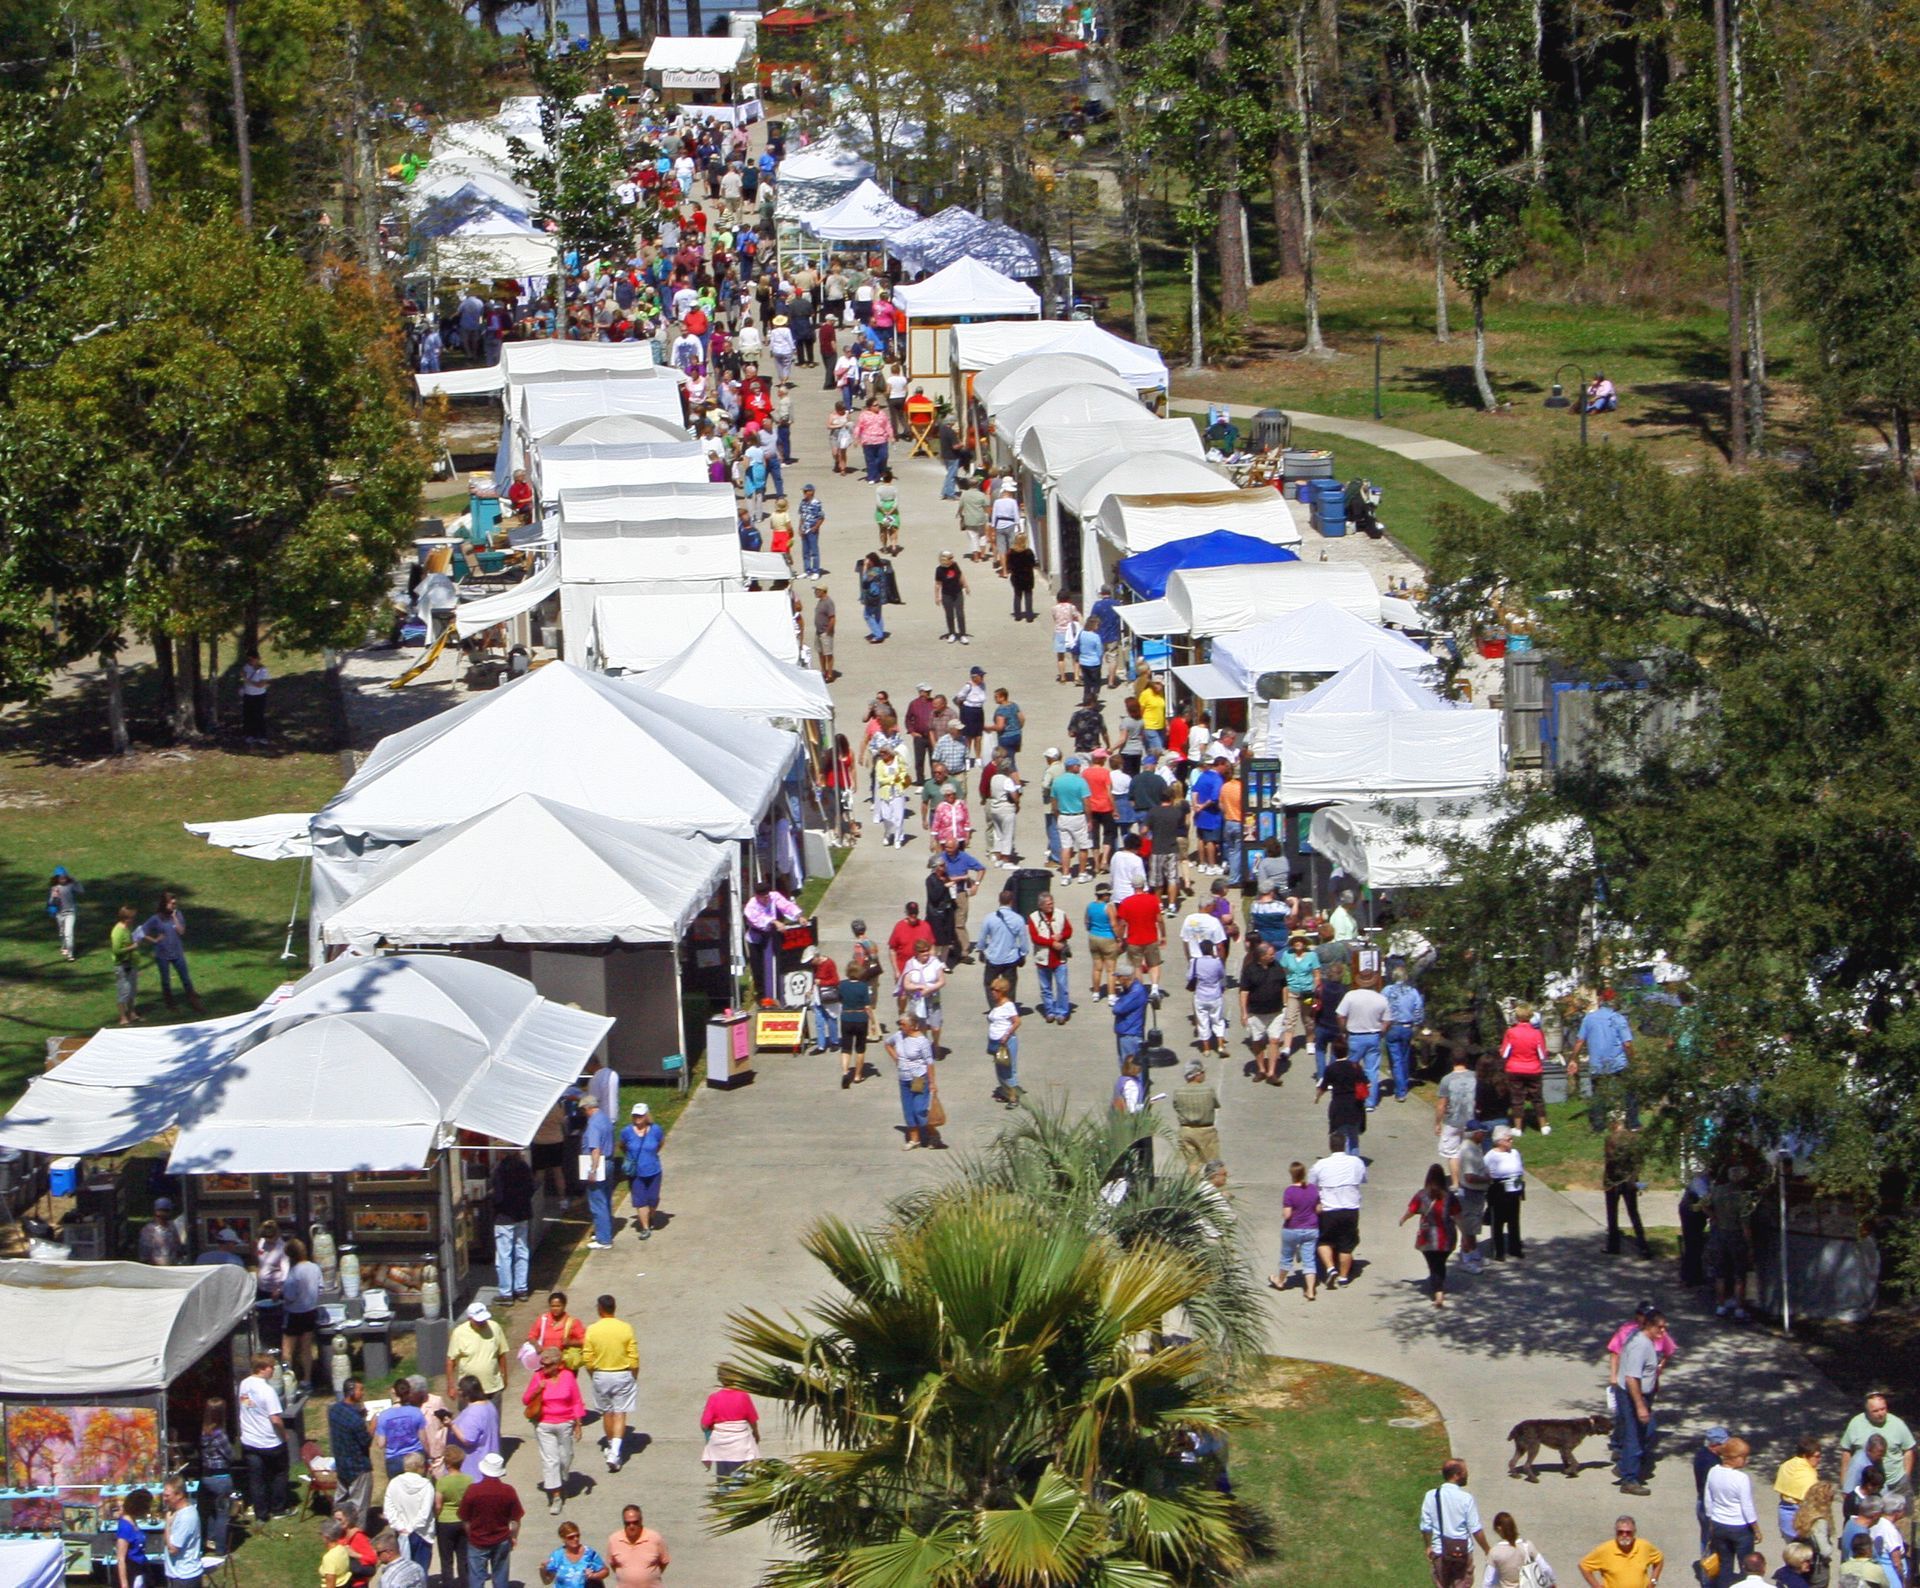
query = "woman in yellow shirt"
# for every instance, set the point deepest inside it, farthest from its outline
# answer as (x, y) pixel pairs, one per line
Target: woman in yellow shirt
(1797, 1474)
(1153, 712)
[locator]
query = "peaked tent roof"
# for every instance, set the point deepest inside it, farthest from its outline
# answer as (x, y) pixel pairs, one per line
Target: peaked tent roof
(695, 53)
(1148, 571)
(978, 347)
(727, 669)
(548, 405)
(1132, 470)
(957, 233)
(1014, 378)
(548, 359)
(1367, 683)
(966, 287)
(536, 871)
(576, 737)
(1053, 451)
(865, 214)
(824, 160)
(1082, 403)
(1320, 638)
(613, 429)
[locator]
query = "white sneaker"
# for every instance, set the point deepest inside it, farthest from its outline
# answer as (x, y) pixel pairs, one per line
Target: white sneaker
(1546, 1130)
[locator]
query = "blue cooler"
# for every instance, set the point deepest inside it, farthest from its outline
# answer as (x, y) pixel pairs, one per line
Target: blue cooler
(63, 1177)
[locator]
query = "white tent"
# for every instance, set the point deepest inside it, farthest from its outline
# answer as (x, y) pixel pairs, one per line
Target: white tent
(436, 181)
(278, 837)
(866, 214)
(525, 363)
(615, 534)
(981, 346)
(681, 503)
(636, 630)
(996, 388)
(631, 463)
(577, 738)
(1389, 755)
(460, 382)
(1399, 845)
(957, 233)
(476, 617)
(966, 287)
(1368, 683)
(1203, 602)
(1072, 461)
(520, 254)
(1129, 470)
(545, 407)
(1316, 639)
(695, 53)
(1139, 523)
(727, 669)
(611, 430)
(34, 1562)
(107, 1331)
(1079, 404)
(824, 160)
(534, 871)
(251, 1093)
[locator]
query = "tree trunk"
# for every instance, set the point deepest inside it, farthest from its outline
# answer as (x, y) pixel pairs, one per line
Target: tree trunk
(1130, 237)
(1643, 76)
(186, 687)
(695, 27)
(1442, 328)
(1303, 113)
(1729, 204)
(242, 138)
(1480, 382)
(1903, 446)
(116, 696)
(163, 671)
(1229, 239)
(1430, 180)
(593, 19)
(1286, 209)
(620, 19)
(1196, 360)
(1537, 117)
(206, 700)
(1756, 375)
(136, 140)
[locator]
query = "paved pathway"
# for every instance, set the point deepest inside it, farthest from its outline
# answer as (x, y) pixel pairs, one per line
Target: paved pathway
(747, 1171)
(1492, 479)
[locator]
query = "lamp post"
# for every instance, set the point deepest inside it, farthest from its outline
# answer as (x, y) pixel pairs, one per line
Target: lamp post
(1378, 339)
(1557, 398)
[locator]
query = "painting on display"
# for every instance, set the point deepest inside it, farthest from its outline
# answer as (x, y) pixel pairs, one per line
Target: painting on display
(226, 1185)
(48, 1446)
(392, 1221)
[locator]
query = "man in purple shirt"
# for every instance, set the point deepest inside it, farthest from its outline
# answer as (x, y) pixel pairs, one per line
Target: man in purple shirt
(767, 911)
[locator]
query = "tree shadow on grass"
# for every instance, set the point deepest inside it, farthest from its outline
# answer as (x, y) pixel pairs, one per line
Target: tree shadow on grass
(1452, 386)
(1697, 406)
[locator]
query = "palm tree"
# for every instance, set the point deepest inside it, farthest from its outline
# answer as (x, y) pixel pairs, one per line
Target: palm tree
(988, 1413)
(1090, 1172)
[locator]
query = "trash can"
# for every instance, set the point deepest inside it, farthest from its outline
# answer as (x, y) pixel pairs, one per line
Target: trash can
(1271, 430)
(1028, 884)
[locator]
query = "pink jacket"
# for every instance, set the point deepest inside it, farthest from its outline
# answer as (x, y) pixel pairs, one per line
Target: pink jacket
(872, 427)
(560, 1400)
(951, 822)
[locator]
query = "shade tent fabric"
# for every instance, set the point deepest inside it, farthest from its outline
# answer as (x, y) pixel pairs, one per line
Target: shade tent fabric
(1140, 523)
(535, 871)
(825, 160)
(279, 837)
(1054, 451)
(545, 408)
(1078, 404)
(999, 388)
(518, 254)
(981, 346)
(249, 1094)
(958, 233)
(727, 669)
(628, 463)
(679, 503)
(966, 287)
(1204, 601)
(524, 363)
(1388, 755)
(435, 181)
(1147, 572)
(617, 533)
(1129, 471)
(1320, 638)
(476, 617)
(797, 200)
(1403, 844)
(101, 1331)
(460, 382)
(636, 630)
(470, 209)
(1368, 683)
(34, 1562)
(866, 214)
(695, 54)
(612, 430)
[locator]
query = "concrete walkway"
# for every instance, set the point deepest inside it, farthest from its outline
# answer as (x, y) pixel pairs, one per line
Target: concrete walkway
(1491, 479)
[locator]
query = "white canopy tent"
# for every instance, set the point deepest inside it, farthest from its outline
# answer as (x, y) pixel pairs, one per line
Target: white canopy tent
(727, 669)
(1082, 403)
(627, 535)
(1079, 466)
(107, 1331)
(279, 837)
(546, 406)
(1130, 470)
(34, 1562)
(1139, 523)
(695, 53)
(1368, 683)
(630, 463)
(536, 871)
(1018, 378)
(438, 180)
(824, 160)
(1400, 845)
(523, 254)
(460, 382)
(476, 617)
(966, 289)
(681, 503)
(548, 359)
(983, 345)
(611, 430)
(366, 1063)
(638, 629)
(866, 214)
(1389, 755)
(1203, 602)
(1318, 639)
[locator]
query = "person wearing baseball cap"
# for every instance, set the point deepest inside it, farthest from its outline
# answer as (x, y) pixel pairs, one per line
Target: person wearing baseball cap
(950, 595)
(477, 1347)
(640, 1163)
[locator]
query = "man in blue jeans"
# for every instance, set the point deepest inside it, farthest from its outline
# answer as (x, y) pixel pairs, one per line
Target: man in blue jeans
(1130, 1000)
(596, 1171)
(1633, 1394)
(1405, 1010)
(1607, 1041)
(1363, 1018)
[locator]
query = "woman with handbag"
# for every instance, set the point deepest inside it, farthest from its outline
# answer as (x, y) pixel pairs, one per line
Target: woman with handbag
(1437, 1206)
(1506, 1189)
(1344, 1085)
(557, 1412)
(1513, 1562)
(913, 1061)
(559, 1330)
(921, 981)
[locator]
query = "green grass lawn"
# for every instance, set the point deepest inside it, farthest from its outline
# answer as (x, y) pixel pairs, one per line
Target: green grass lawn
(116, 825)
(1328, 1452)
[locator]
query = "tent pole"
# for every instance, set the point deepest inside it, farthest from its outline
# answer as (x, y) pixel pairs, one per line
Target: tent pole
(293, 915)
(449, 1240)
(737, 912)
(680, 1020)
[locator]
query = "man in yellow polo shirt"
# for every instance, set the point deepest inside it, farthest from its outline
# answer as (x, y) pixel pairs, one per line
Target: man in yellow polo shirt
(1625, 1561)
(1153, 712)
(611, 1357)
(477, 1346)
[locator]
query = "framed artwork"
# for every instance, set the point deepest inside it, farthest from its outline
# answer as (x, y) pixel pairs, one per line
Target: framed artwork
(283, 1207)
(79, 1518)
(41, 1515)
(394, 1180)
(48, 1446)
(320, 1206)
(213, 1223)
(226, 1185)
(110, 1509)
(393, 1221)
(281, 1179)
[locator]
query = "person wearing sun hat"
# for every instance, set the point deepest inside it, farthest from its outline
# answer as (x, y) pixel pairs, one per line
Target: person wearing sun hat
(640, 1163)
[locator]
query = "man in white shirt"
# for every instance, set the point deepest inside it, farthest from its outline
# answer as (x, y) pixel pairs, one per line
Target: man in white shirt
(409, 1507)
(1450, 1519)
(1363, 1022)
(1338, 1177)
(263, 1441)
(1128, 871)
(1198, 929)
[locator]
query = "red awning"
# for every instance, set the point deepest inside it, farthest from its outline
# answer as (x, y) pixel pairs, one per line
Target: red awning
(789, 17)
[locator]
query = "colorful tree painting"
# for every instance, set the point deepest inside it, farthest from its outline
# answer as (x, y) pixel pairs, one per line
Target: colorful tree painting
(34, 1437)
(117, 1445)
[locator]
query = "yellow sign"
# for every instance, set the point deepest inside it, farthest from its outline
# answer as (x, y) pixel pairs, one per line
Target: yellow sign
(780, 1028)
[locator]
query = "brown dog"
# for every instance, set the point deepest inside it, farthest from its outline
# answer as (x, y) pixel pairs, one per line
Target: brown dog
(1554, 1433)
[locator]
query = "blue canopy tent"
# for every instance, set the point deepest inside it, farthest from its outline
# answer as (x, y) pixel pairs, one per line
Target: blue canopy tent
(1147, 572)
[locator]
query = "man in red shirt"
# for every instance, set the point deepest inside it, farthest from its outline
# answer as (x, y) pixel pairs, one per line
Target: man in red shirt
(1140, 918)
(492, 1513)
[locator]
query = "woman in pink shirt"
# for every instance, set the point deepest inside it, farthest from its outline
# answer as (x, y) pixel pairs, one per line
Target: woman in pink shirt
(1525, 1052)
(952, 823)
(732, 1425)
(553, 1403)
(874, 431)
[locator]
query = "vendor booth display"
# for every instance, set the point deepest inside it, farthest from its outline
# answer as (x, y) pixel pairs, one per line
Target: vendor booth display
(964, 292)
(105, 1372)
(1070, 471)
(1139, 523)
(705, 75)
(865, 215)
(1203, 602)
(1146, 573)
(1083, 403)
(1387, 755)
(1291, 654)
